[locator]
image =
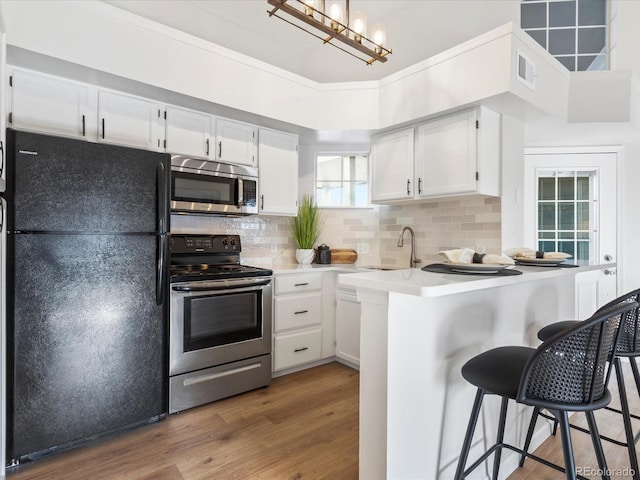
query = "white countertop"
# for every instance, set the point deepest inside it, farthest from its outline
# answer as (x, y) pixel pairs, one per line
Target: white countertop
(332, 267)
(414, 281)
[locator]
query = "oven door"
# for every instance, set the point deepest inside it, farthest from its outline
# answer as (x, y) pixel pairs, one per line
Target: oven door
(217, 322)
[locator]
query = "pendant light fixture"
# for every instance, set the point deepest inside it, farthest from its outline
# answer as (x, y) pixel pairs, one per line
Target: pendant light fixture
(333, 23)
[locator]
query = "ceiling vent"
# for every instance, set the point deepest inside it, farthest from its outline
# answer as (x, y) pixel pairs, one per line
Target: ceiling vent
(525, 70)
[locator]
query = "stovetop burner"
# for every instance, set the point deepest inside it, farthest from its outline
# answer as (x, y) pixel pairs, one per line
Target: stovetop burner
(209, 257)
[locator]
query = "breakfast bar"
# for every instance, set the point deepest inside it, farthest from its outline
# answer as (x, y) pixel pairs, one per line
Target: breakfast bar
(417, 329)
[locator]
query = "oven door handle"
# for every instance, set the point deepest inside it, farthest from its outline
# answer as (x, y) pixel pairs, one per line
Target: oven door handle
(239, 285)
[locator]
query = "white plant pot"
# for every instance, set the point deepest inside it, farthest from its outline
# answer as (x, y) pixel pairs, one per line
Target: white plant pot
(305, 256)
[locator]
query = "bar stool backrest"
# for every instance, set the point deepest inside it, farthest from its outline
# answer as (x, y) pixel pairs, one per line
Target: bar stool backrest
(570, 368)
(629, 336)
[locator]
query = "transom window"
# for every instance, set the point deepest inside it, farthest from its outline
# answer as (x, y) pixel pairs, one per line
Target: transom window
(566, 215)
(342, 180)
(573, 31)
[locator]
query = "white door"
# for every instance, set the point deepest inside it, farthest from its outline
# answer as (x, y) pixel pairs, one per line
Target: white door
(596, 220)
(236, 142)
(278, 153)
(392, 166)
(189, 132)
(131, 121)
(49, 104)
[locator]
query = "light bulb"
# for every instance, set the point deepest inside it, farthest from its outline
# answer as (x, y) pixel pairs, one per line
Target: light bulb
(378, 37)
(359, 26)
(308, 7)
(335, 13)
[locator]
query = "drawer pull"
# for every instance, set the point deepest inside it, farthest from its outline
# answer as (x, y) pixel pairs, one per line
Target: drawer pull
(301, 284)
(301, 349)
(300, 312)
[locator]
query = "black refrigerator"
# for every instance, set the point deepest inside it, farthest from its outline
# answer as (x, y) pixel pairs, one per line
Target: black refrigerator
(87, 278)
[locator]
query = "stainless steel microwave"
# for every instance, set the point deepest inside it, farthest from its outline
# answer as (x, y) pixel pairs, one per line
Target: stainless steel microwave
(208, 187)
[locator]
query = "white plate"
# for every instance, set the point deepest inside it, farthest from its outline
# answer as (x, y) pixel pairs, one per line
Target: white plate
(539, 261)
(475, 267)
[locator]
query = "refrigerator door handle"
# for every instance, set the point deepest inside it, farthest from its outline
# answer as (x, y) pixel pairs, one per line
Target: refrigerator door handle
(162, 199)
(160, 274)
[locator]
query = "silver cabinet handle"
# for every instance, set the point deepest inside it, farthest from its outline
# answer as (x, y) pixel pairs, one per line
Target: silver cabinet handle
(220, 149)
(207, 147)
(419, 185)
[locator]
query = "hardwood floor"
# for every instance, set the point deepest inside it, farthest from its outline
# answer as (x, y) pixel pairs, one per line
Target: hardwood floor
(304, 426)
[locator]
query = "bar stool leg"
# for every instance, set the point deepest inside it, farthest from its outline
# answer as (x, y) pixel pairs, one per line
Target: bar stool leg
(567, 448)
(636, 373)
(527, 442)
(626, 418)
(597, 445)
(500, 438)
(466, 446)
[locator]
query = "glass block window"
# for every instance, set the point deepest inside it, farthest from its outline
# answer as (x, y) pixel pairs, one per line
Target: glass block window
(342, 180)
(566, 221)
(573, 31)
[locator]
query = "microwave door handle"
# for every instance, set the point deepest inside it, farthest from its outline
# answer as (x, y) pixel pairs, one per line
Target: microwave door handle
(240, 184)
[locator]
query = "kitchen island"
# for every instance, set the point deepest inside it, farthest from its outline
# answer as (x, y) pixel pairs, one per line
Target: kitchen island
(417, 330)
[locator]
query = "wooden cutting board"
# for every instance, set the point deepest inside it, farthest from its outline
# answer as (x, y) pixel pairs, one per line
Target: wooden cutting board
(343, 255)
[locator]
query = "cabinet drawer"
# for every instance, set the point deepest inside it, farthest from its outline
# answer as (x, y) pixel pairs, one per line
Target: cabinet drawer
(296, 348)
(298, 283)
(295, 311)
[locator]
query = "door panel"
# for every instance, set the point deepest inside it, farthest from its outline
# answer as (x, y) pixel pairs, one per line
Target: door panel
(87, 338)
(70, 186)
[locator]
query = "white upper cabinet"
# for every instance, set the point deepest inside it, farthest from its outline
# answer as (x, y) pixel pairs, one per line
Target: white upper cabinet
(129, 120)
(236, 142)
(48, 104)
(459, 154)
(190, 133)
(278, 189)
(392, 166)
(454, 155)
(446, 155)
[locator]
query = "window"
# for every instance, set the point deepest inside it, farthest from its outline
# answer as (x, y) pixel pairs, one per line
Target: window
(573, 31)
(566, 213)
(342, 180)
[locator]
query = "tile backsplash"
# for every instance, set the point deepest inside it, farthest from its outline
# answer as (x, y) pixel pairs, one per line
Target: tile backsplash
(472, 222)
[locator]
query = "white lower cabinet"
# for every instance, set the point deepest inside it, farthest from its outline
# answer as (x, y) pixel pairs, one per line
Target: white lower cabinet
(347, 327)
(291, 349)
(297, 319)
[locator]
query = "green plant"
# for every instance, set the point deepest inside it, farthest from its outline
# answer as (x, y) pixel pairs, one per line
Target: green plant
(308, 224)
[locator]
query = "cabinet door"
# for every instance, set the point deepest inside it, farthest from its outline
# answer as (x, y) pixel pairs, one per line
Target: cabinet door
(188, 132)
(348, 328)
(278, 153)
(132, 121)
(236, 142)
(392, 166)
(48, 104)
(446, 159)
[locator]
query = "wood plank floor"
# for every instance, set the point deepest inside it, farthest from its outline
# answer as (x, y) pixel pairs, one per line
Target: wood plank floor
(304, 426)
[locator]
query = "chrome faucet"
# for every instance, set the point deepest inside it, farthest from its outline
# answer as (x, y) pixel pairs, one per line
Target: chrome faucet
(413, 261)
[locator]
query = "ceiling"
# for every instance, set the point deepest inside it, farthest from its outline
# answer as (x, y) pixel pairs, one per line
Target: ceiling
(416, 30)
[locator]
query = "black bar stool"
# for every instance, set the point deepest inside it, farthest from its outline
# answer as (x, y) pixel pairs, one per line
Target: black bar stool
(628, 346)
(566, 373)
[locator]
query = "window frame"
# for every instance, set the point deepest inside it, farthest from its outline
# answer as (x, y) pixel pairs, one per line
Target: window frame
(343, 153)
(577, 28)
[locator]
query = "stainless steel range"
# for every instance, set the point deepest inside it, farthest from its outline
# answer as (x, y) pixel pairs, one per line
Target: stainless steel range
(220, 321)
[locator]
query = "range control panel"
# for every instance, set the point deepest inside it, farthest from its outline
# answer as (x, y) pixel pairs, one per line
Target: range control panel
(205, 244)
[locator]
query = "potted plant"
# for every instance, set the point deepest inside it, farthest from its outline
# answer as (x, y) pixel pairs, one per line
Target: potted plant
(306, 227)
